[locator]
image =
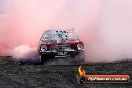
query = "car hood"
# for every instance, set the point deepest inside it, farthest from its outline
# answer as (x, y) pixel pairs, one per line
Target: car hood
(48, 41)
(55, 42)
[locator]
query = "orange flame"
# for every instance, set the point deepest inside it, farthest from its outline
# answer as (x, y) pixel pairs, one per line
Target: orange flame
(81, 71)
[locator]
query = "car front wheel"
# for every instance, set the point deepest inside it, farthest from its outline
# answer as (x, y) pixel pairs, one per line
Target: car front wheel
(42, 59)
(45, 58)
(80, 57)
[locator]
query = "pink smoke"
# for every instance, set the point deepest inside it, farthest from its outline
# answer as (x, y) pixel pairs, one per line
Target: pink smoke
(103, 25)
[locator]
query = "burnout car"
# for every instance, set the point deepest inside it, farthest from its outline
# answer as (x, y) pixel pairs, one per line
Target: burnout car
(60, 43)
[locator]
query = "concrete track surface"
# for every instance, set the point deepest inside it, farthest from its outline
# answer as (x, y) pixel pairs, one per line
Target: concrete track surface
(15, 75)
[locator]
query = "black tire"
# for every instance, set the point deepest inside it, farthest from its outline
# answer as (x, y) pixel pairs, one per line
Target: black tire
(80, 57)
(42, 59)
(45, 58)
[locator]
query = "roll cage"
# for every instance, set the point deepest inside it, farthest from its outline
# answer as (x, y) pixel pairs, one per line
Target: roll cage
(59, 35)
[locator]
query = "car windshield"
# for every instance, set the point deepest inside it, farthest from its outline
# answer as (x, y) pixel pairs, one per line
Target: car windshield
(60, 36)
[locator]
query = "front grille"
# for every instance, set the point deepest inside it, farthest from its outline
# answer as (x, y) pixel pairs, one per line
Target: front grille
(62, 47)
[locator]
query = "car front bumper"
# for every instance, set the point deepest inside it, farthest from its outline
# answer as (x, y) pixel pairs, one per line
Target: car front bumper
(64, 53)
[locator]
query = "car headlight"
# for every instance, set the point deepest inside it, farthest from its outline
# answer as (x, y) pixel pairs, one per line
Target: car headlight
(43, 47)
(80, 46)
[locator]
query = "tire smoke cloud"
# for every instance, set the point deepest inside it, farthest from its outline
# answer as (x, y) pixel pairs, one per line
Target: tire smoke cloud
(103, 25)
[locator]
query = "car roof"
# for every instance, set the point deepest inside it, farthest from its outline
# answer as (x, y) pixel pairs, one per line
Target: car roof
(53, 30)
